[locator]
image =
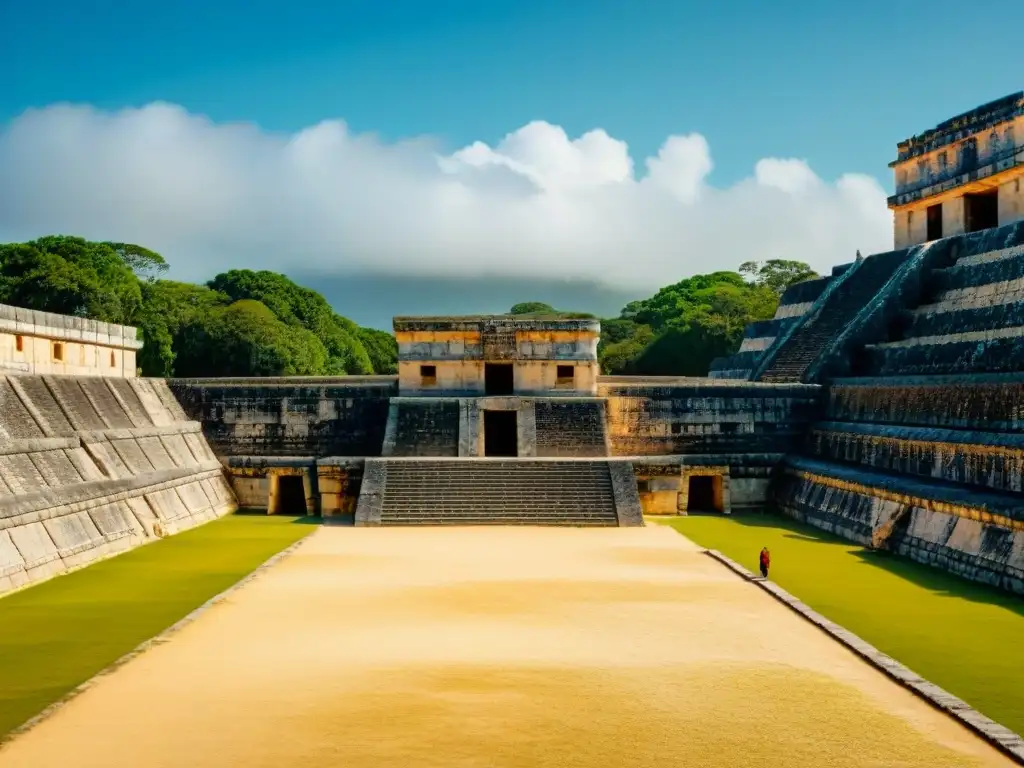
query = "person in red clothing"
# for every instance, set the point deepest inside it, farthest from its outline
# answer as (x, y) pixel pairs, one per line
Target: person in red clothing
(766, 560)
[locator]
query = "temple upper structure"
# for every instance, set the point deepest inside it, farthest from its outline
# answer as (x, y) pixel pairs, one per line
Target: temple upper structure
(962, 176)
(497, 355)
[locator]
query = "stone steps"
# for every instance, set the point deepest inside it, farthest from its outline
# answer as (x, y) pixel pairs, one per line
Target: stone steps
(469, 492)
(800, 351)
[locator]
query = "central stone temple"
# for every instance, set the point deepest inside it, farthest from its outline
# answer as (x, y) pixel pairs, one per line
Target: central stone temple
(499, 419)
(495, 386)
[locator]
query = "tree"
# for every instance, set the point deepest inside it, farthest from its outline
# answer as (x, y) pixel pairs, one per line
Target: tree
(382, 349)
(69, 276)
(146, 264)
(684, 326)
(243, 323)
(533, 308)
(777, 274)
(303, 307)
(167, 308)
(247, 339)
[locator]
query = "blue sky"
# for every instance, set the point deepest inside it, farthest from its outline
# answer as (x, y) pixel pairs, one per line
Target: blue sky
(835, 85)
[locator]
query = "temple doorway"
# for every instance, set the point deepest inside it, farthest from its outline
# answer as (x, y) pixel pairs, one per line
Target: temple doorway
(981, 211)
(934, 222)
(291, 495)
(500, 433)
(704, 493)
(498, 379)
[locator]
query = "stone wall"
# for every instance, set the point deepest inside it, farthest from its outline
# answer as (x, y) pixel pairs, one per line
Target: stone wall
(45, 343)
(668, 416)
(977, 535)
(331, 416)
(570, 428)
(742, 481)
(92, 466)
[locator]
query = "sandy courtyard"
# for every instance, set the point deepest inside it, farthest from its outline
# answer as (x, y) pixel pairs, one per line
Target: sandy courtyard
(497, 647)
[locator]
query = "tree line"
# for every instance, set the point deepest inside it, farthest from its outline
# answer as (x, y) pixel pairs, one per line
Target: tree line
(260, 323)
(240, 323)
(684, 326)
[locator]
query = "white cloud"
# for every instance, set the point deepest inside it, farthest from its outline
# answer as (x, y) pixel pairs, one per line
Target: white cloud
(214, 196)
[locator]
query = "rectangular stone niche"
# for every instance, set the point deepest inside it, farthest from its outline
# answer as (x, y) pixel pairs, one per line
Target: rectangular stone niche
(704, 489)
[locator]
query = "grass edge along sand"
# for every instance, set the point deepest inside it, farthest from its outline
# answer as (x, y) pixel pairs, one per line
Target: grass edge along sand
(58, 634)
(958, 634)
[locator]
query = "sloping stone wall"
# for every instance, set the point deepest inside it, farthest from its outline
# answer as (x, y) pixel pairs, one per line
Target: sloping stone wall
(92, 466)
(920, 451)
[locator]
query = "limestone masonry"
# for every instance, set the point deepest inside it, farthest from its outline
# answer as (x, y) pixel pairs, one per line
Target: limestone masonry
(883, 402)
(42, 342)
(91, 466)
(962, 176)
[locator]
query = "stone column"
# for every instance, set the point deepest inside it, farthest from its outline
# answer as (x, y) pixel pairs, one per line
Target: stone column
(272, 493)
(526, 428)
(309, 489)
(390, 430)
(683, 498)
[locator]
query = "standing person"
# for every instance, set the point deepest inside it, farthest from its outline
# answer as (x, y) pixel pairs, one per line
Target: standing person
(766, 560)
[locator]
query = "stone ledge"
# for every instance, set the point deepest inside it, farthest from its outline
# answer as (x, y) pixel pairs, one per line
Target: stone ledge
(58, 502)
(997, 735)
(113, 339)
(260, 462)
(38, 444)
(128, 433)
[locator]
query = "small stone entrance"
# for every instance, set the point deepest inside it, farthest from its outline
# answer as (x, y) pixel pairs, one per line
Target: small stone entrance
(501, 433)
(704, 489)
(702, 493)
(291, 495)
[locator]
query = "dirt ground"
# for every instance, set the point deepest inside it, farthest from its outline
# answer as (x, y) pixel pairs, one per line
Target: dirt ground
(502, 648)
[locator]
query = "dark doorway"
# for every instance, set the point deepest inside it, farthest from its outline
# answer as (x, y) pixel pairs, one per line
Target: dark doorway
(291, 495)
(498, 378)
(934, 222)
(702, 496)
(500, 433)
(981, 211)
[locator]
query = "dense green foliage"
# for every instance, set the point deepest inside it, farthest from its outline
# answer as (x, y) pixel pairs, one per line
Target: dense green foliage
(242, 323)
(538, 309)
(683, 327)
(72, 627)
(926, 618)
(247, 323)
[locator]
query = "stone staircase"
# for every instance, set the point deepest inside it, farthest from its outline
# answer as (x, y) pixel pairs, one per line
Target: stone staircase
(863, 282)
(488, 492)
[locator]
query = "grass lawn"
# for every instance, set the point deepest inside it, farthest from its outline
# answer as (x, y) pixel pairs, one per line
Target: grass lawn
(962, 636)
(56, 635)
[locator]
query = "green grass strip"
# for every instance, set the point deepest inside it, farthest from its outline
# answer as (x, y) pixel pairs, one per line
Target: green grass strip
(962, 636)
(58, 634)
